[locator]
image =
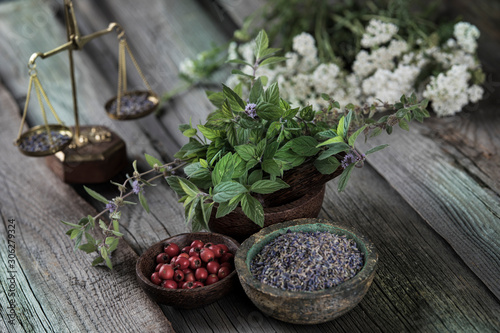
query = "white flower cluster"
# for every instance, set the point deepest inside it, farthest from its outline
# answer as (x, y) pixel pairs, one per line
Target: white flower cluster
(378, 33)
(385, 70)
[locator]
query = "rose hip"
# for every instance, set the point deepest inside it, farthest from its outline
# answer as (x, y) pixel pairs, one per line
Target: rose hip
(223, 247)
(197, 244)
(182, 263)
(183, 254)
(194, 252)
(188, 285)
(207, 255)
(169, 284)
(166, 272)
(178, 275)
(201, 274)
(186, 249)
(155, 278)
(213, 267)
(157, 268)
(223, 272)
(217, 250)
(198, 284)
(162, 258)
(227, 257)
(194, 262)
(211, 279)
(189, 276)
(171, 249)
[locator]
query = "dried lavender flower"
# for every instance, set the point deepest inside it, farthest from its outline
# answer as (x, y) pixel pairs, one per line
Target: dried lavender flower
(307, 261)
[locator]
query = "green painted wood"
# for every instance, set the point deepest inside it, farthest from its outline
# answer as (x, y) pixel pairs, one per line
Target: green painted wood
(55, 290)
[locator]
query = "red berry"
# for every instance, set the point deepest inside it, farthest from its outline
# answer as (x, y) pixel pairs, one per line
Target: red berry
(155, 278)
(227, 264)
(218, 251)
(186, 249)
(188, 285)
(223, 272)
(166, 272)
(184, 254)
(213, 267)
(201, 274)
(207, 255)
(172, 261)
(178, 275)
(197, 244)
(194, 252)
(189, 277)
(157, 268)
(182, 262)
(224, 247)
(169, 284)
(198, 284)
(162, 258)
(227, 257)
(171, 249)
(211, 279)
(207, 245)
(194, 262)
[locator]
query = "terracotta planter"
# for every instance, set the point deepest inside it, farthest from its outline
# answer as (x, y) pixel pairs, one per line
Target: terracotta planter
(238, 226)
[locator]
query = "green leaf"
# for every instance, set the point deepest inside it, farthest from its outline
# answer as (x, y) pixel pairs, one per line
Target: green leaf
(88, 248)
(272, 95)
(303, 146)
(272, 168)
(239, 62)
(72, 224)
(375, 149)
(253, 209)
(227, 207)
(226, 109)
(347, 124)
(256, 92)
(216, 98)
(235, 101)
(240, 72)
(307, 113)
(268, 186)
(354, 136)
(270, 150)
(246, 152)
(97, 261)
(261, 43)
(340, 127)
(209, 133)
(116, 225)
(404, 125)
(174, 183)
(332, 140)
(223, 170)
(268, 111)
(104, 254)
(335, 148)
(103, 225)
(272, 60)
(189, 188)
(225, 191)
(327, 166)
(96, 195)
(255, 176)
(190, 132)
(377, 131)
(344, 177)
(152, 161)
(143, 201)
(112, 242)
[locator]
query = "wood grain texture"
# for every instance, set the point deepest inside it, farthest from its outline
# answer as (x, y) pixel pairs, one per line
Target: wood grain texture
(56, 291)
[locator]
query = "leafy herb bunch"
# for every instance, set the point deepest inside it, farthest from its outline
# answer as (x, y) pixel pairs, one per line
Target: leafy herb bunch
(243, 150)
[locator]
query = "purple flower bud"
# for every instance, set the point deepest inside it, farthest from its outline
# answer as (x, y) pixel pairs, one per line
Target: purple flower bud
(111, 206)
(250, 110)
(136, 188)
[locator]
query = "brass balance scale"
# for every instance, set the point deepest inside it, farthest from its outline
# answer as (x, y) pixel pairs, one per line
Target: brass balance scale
(84, 154)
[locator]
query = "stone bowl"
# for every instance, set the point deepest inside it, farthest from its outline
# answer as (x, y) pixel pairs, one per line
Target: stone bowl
(185, 298)
(305, 307)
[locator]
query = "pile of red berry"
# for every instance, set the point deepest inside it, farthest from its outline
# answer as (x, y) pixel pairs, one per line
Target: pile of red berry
(197, 265)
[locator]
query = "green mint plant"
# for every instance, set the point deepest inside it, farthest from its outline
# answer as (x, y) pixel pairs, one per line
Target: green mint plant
(243, 150)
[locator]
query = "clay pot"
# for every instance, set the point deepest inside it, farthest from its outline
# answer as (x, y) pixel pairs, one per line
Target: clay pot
(305, 307)
(238, 226)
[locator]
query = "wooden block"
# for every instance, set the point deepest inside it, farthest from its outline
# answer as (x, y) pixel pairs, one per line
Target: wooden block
(95, 162)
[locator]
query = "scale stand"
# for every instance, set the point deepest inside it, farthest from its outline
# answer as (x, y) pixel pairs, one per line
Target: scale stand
(84, 154)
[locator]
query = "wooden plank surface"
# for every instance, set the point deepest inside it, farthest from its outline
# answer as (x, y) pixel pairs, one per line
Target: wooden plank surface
(54, 288)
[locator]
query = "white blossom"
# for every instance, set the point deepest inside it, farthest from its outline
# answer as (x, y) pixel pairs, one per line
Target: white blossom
(377, 33)
(466, 35)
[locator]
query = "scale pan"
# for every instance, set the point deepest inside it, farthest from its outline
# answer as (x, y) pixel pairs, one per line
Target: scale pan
(133, 105)
(35, 141)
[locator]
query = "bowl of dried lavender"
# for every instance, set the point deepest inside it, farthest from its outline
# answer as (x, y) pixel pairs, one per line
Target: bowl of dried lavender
(306, 271)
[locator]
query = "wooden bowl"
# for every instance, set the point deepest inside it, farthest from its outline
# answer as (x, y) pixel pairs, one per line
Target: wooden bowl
(238, 226)
(185, 298)
(304, 307)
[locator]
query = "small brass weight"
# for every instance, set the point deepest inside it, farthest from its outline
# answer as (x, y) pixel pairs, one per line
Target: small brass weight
(84, 154)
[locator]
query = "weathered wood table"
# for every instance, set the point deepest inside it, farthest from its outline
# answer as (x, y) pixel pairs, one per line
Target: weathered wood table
(430, 203)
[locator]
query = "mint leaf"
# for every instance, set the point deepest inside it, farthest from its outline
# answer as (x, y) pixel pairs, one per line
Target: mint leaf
(223, 170)
(327, 166)
(152, 161)
(96, 195)
(209, 133)
(375, 149)
(268, 111)
(354, 136)
(246, 152)
(303, 146)
(268, 186)
(261, 43)
(225, 191)
(253, 209)
(237, 104)
(344, 177)
(272, 168)
(334, 148)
